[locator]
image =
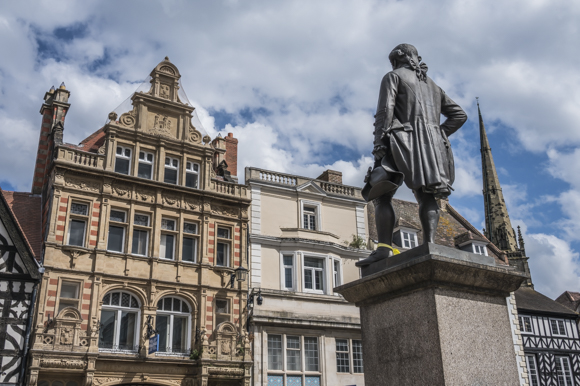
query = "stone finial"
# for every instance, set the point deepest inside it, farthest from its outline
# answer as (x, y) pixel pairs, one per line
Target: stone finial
(51, 90)
(112, 116)
(167, 58)
(62, 86)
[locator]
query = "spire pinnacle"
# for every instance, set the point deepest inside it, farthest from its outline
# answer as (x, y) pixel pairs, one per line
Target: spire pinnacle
(497, 221)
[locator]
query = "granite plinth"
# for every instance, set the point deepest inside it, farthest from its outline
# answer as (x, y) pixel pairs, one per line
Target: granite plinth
(436, 319)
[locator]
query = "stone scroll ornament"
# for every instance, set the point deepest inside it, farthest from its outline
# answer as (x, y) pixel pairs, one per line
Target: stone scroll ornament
(411, 146)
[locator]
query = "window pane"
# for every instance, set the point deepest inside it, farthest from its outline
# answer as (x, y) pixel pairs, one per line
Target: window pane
(312, 262)
(221, 306)
(115, 242)
(107, 330)
(308, 279)
(77, 233)
(318, 279)
(190, 228)
(342, 356)
(293, 353)
(189, 249)
(170, 176)
(312, 380)
(273, 380)
(107, 299)
(127, 333)
(179, 342)
(167, 304)
(125, 300)
(139, 242)
(80, 209)
(294, 380)
(223, 233)
(532, 370)
(69, 290)
(141, 219)
(122, 165)
(275, 352)
(288, 277)
(357, 358)
(115, 298)
(168, 224)
(162, 327)
(117, 215)
(288, 260)
(144, 170)
(311, 353)
(166, 247)
(191, 180)
(222, 254)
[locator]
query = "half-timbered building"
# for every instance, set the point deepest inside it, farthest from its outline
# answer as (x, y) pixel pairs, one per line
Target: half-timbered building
(19, 276)
(550, 337)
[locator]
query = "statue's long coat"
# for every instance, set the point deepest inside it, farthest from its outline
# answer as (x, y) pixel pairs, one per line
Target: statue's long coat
(408, 113)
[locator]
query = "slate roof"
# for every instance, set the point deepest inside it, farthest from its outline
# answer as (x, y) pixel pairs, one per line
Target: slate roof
(26, 209)
(451, 225)
(90, 144)
(569, 299)
(529, 300)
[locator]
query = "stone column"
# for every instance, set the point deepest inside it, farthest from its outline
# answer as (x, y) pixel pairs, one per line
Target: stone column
(436, 316)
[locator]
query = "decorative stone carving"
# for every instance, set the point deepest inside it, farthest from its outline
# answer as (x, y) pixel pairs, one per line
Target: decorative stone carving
(102, 381)
(225, 371)
(128, 119)
(206, 139)
(79, 184)
(224, 210)
(112, 116)
(63, 363)
(167, 70)
(194, 135)
(161, 126)
(66, 336)
(170, 200)
(145, 196)
(164, 91)
(226, 347)
(122, 191)
(192, 204)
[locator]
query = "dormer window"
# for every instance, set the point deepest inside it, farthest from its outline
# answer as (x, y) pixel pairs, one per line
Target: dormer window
(191, 174)
(479, 249)
(123, 160)
(409, 239)
(171, 168)
(145, 165)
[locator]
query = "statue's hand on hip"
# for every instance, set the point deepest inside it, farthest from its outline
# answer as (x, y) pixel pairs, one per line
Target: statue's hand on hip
(379, 151)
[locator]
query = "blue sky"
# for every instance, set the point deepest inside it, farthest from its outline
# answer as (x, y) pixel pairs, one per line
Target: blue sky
(297, 82)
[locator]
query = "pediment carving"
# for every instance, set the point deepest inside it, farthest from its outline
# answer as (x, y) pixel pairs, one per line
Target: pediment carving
(194, 134)
(128, 119)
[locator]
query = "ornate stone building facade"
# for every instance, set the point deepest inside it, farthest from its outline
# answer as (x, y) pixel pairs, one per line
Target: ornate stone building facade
(143, 234)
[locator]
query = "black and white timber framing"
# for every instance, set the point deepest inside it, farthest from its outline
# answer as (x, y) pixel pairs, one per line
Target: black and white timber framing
(550, 338)
(18, 278)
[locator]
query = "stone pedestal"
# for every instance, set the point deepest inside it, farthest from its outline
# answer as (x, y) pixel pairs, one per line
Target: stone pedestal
(436, 316)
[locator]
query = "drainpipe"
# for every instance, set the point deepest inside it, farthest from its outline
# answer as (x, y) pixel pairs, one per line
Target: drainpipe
(28, 332)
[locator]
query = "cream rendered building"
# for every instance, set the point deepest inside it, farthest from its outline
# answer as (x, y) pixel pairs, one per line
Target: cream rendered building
(139, 234)
(303, 333)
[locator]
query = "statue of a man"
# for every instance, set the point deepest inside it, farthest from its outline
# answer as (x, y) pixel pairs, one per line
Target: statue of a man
(410, 146)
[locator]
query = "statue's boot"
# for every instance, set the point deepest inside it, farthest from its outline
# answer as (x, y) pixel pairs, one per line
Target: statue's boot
(378, 254)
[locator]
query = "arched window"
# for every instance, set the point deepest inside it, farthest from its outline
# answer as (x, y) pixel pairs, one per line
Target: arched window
(173, 325)
(119, 322)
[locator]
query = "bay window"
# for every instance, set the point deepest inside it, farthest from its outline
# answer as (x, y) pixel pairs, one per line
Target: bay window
(313, 274)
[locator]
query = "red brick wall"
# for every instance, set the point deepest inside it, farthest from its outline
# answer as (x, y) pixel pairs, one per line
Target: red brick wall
(232, 153)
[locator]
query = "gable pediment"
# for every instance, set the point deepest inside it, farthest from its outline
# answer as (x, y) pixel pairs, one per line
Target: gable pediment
(311, 187)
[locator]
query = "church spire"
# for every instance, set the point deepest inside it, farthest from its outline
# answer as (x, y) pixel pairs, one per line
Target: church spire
(498, 227)
(497, 220)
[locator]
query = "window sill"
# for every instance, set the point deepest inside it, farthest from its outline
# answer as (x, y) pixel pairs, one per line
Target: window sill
(114, 351)
(184, 355)
(75, 248)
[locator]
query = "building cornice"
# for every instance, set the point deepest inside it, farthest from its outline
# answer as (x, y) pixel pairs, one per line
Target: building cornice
(295, 242)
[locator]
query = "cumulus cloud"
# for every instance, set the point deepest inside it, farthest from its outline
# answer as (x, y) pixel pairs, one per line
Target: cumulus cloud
(299, 80)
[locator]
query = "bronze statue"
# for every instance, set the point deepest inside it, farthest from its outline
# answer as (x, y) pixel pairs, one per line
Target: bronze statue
(410, 146)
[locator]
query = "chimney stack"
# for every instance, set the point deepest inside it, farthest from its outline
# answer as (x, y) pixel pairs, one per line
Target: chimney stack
(232, 154)
(331, 176)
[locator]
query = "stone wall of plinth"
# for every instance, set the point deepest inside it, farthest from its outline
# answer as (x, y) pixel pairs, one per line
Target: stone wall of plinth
(436, 320)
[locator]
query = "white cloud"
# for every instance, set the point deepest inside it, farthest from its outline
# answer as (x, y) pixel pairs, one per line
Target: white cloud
(553, 264)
